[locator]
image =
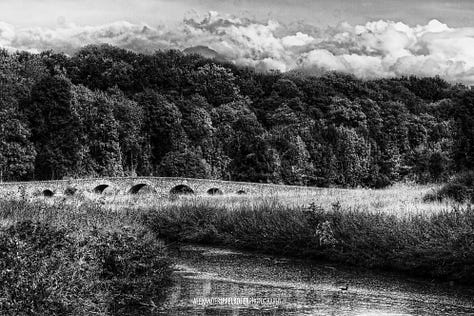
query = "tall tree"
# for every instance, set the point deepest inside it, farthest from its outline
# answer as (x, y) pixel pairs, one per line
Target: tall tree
(100, 143)
(464, 140)
(55, 128)
(130, 120)
(17, 153)
(162, 125)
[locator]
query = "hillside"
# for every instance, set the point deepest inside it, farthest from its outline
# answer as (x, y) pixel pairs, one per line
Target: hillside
(110, 112)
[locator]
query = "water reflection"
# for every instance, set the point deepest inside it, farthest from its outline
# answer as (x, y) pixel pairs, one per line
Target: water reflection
(210, 281)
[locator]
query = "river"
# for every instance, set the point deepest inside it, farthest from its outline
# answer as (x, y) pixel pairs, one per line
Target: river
(214, 281)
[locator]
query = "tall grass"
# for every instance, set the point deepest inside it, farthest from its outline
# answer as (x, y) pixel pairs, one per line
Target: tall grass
(78, 214)
(69, 258)
(438, 245)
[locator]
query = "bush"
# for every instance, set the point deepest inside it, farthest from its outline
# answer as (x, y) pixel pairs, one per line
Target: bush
(37, 269)
(459, 189)
(466, 178)
(45, 270)
(458, 192)
(70, 191)
(431, 197)
(382, 181)
(133, 268)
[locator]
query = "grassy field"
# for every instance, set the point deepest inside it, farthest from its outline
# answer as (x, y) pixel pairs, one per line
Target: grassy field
(400, 200)
(390, 229)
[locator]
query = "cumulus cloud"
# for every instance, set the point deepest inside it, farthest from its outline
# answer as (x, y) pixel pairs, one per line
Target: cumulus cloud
(376, 49)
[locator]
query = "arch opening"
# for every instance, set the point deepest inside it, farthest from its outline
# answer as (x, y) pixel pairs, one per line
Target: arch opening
(214, 191)
(241, 192)
(181, 189)
(48, 193)
(141, 188)
(70, 191)
(100, 188)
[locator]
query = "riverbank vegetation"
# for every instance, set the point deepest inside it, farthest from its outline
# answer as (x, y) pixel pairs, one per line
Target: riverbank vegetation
(393, 229)
(59, 260)
(436, 246)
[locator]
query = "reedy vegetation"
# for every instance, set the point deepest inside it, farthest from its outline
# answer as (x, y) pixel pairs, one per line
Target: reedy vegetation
(60, 260)
(438, 245)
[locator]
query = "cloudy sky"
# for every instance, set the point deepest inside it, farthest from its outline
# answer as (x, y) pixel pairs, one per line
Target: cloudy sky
(370, 38)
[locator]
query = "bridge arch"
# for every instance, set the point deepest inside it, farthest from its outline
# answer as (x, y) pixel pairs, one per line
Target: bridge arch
(181, 189)
(214, 191)
(101, 188)
(48, 193)
(142, 187)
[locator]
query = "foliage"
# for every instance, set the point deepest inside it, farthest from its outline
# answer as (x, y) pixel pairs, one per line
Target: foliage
(17, 153)
(55, 128)
(46, 270)
(100, 142)
(184, 164)
(107, 111)
(459, 189)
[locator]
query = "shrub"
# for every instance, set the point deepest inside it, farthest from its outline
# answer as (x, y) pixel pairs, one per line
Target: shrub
(378, 181)
(37, 269)
(458, 192)
(459, 189)
(70, 191)
(46, 270)
(133, 267)
(431, 197)
(466, 178)
(382, 181)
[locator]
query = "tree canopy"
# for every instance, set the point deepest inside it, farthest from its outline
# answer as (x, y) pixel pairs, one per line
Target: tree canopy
(107, 111)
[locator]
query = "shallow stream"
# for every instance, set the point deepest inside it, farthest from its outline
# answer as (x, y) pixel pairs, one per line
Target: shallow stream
(213, 281)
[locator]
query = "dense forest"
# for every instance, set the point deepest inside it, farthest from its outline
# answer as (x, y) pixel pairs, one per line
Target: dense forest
(106, 111)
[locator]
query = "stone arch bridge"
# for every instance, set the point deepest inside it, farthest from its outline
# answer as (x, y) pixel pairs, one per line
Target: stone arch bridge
(135, 185)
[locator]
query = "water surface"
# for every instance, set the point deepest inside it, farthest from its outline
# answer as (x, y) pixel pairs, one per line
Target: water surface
(213, 281)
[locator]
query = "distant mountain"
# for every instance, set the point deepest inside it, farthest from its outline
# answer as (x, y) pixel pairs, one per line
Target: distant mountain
(205, 52)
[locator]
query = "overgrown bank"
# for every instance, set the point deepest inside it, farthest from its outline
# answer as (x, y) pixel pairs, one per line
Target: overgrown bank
(52, 269)
(439, 246)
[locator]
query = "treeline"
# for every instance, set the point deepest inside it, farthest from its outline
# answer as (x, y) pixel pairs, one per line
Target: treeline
(110, 112)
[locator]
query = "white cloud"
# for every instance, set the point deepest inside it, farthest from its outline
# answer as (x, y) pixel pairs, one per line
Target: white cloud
(323, 59)
(376, 49)
(300, 39)
(7, 34)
